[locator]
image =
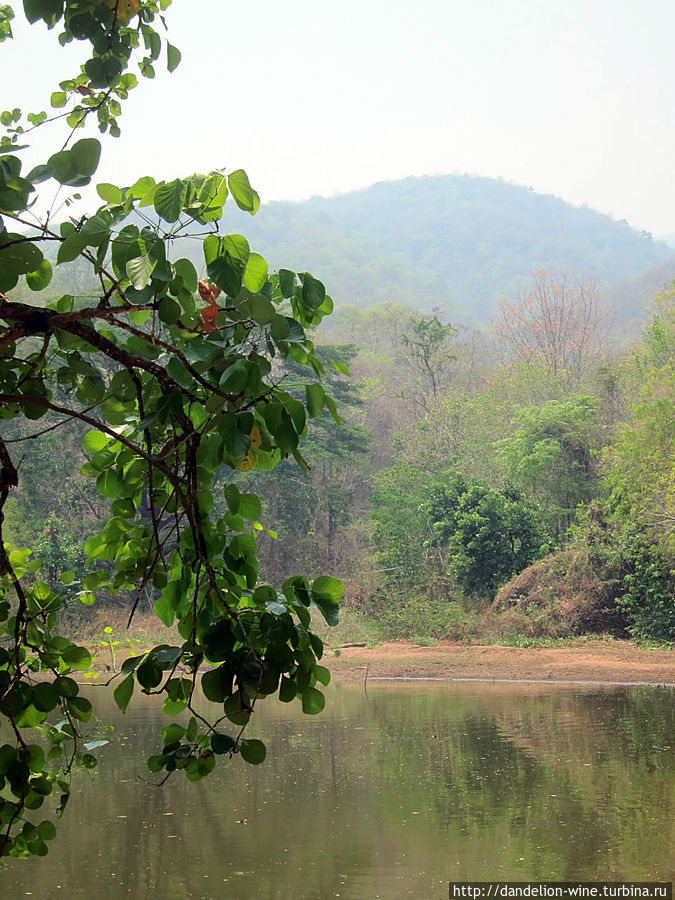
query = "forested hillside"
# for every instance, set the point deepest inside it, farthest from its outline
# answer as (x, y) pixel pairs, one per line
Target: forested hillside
(463, 460)
(535, 446)
(456, 242)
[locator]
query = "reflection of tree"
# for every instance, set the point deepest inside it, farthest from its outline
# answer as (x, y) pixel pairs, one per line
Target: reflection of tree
(510, 782)
(574, 782)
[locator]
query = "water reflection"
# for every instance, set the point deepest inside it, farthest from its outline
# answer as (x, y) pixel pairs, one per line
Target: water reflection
(389, 794)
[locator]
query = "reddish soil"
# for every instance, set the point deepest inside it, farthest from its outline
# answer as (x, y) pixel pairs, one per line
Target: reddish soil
(613, 662)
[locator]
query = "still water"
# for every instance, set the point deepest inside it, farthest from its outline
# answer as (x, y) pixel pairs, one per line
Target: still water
(390, 793)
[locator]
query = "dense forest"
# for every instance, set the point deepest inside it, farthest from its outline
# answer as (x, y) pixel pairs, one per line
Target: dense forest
(511, 483)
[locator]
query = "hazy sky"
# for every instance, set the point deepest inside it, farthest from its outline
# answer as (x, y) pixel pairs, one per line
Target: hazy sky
(570, 97)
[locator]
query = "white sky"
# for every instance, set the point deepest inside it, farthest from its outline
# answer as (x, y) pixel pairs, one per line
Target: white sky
(571, 97)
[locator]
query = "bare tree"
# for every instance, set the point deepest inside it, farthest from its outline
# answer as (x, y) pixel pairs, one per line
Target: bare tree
(556, 321)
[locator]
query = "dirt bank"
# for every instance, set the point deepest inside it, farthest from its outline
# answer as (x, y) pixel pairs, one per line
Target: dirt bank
(591, 662)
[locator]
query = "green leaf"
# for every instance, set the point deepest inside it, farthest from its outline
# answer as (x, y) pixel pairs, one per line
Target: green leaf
(139, 270)
(313, 291)
(108, 484)
(142, 189)
(40, 174)
(37, 848)
(249, 507)
(341, 367)
(39, 278)
(314, 398)
(186, 270)
(169, 311)
(30, 717)
(45, 696)
(253, 751)
(95, 231)
(328, 587)
(80, 708)
(235, 711)
(227, 272)
(169, 200)
(287, 283)
(313, 701)
(149, 673)
(235, 377)
(172, 57)
(326, 593)
(123, 692)
(322, 674)
(95, 441)
(288, 690)
(75, 167)
(77, 658)
(216, 685)
(172, 734)
(232, 497)
(192, 730)
(58, 99)
(222, 743)
(71, 248)
(262, 310)
(109, 192)
(67, 687)
(87, 153)
(48, 10)
(131, 664)
(255, 275)
(47, 830)
(167, 605)
(280, 328)
(244, 195)
(17, 255)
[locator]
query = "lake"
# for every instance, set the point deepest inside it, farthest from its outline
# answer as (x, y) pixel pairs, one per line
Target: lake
(386, 794)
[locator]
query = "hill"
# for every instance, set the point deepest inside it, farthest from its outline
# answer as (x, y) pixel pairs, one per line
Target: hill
(458, 242)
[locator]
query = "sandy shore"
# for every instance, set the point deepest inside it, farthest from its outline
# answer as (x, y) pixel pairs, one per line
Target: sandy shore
(610, 662)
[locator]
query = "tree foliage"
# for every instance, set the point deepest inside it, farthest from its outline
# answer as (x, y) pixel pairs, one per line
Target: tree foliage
(457, 242)
(489, 535)
(552, 456)
(428, 340)
(174, 377)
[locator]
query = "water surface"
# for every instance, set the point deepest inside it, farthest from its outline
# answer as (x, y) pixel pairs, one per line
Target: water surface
(387, 794)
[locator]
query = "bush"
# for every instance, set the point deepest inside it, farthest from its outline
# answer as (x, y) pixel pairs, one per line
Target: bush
(415, 615)
(649, 600)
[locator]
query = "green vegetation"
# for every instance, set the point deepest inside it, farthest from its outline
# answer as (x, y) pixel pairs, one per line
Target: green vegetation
(169, 399)
(487, 535)
(179, 435)
(456, 242)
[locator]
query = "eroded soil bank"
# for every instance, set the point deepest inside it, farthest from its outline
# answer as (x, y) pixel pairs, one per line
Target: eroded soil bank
(599, 661)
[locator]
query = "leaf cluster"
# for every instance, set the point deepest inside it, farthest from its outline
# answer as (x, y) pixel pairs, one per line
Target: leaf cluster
(177, 379)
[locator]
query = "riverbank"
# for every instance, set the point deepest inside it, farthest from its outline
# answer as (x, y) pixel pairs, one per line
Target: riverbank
(596, 661)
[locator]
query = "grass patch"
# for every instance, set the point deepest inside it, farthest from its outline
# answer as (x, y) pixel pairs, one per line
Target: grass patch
(353, 628)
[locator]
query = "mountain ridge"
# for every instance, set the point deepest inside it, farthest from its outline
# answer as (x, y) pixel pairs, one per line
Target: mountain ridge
(456, 242)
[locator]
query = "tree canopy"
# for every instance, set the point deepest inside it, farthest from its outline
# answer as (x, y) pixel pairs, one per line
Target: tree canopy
(171, 377)
(489, 534)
